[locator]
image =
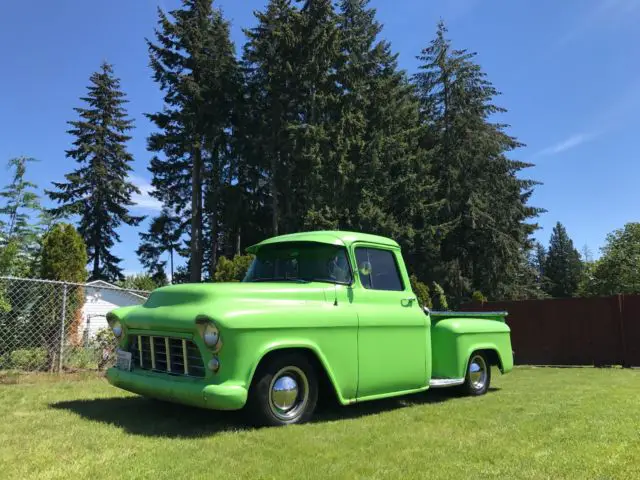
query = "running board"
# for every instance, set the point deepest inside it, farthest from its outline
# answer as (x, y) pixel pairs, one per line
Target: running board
(445, 382)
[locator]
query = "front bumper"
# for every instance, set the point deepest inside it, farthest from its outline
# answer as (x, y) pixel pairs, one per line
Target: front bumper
(179, 390)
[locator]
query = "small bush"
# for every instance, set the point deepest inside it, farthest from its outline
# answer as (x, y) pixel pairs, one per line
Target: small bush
(422, 292)
(439, 298)
(478, 297)
(81, 359)
(28, 359)
(104, 345)
(232, 270)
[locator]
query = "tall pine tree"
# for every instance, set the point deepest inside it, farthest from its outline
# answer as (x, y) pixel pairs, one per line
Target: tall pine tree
(98, 190)
(563, 266)
(271, 67)
(194, 63)
(484, 215)
(162, 238)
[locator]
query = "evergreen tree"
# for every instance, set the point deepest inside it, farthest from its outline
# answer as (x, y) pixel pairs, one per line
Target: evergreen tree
(618, 269)
(271, 67)
(64, 258)
(537, 264)
(163, 237)
(19, 233)
(539, 259)
(194, 63)
(98, 190)
(64, 255)
(563, 266)
(483, 216)
(138, 282)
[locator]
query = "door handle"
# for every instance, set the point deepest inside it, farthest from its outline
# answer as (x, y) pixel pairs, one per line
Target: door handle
(409, 300)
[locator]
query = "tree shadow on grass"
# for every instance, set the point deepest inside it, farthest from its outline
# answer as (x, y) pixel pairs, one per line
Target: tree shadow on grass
(148, 417)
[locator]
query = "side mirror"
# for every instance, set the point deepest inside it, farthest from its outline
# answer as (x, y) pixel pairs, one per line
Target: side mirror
(426, 310)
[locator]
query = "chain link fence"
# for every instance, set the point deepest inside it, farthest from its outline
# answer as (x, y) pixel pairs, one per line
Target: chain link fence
(58, 326)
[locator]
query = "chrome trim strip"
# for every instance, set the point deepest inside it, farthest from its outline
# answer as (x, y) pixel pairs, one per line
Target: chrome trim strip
(184, 357)
(153, 353)
(445, 382)
(140, 349)
(468, 314)
(166, 347)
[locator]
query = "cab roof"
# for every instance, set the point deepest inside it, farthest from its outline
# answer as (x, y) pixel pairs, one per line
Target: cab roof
(331, 237)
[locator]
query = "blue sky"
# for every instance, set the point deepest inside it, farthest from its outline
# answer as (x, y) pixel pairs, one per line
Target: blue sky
(568, 71)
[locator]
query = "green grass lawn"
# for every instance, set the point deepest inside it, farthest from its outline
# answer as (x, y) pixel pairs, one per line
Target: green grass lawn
(534, 423)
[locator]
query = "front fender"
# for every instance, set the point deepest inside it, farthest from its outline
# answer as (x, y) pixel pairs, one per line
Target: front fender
(308, 346)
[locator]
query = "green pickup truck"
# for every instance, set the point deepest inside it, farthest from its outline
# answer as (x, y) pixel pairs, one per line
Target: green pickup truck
(318, 314)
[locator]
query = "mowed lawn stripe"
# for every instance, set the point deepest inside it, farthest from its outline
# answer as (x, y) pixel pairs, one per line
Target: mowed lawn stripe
(534, 423)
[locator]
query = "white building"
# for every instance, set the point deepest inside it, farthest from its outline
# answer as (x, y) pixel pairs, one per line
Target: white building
(100, 298)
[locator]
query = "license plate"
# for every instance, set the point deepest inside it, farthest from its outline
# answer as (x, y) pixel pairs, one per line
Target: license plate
(123, 360)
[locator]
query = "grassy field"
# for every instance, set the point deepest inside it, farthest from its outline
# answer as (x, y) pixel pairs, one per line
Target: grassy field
(534, 423)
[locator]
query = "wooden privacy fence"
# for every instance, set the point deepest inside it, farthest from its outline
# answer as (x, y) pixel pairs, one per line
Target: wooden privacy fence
(573, 331)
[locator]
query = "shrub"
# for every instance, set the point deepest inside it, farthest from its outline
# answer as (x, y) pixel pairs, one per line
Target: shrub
(478, 297)
(422, 292)
(439, 298)
(28, 359)
(81, 358)
(103, 345)
(232, 270)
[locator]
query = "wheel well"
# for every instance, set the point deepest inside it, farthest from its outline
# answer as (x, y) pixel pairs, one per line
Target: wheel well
(492, 357)
(326, 389)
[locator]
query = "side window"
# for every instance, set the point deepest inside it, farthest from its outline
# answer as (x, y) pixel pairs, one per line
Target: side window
(378, 269)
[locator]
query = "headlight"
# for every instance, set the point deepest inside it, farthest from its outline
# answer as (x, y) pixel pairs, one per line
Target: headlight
(117, 328)
(211, 335)
(214, 364)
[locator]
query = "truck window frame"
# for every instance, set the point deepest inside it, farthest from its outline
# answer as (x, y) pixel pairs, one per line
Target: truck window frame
(381, 248)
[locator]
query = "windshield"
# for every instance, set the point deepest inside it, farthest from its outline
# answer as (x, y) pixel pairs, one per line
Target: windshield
(301, 262)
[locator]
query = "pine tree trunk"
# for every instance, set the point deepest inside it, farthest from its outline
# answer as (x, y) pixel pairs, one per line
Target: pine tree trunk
(274, 193)
(171, 263)
(237, 252)
(196, 216)
(214, 237)
(96, 259)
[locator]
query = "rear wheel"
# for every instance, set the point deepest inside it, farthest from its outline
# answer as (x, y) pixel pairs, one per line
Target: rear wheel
(478, 376)
(284, 391)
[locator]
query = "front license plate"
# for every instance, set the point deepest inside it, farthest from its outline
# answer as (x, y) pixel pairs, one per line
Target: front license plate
(123, 360)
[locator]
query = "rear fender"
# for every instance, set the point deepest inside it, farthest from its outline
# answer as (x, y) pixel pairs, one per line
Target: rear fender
(455, 339)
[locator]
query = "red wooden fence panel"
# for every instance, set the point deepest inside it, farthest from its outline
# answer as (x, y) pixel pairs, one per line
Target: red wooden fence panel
(573, 331)
(631, 324)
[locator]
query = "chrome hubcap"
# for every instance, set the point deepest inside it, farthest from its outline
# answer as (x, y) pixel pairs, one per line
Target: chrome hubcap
(478, 372)
(288, 393)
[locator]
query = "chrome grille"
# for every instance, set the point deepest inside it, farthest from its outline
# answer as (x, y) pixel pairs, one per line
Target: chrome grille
(177, 356)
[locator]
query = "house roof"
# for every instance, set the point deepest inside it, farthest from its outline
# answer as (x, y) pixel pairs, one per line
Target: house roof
(331, 237)
(110, 286)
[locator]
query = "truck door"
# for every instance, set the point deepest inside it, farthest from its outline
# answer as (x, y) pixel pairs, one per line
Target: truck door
(393, 332)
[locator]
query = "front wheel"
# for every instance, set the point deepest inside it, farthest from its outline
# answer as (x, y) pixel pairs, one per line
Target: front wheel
(478, 377)
(284, 391)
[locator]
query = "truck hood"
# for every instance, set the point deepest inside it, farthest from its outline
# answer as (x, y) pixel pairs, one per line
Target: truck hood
(175, 307)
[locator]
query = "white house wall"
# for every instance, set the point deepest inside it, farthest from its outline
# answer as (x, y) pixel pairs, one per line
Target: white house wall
(99, 302)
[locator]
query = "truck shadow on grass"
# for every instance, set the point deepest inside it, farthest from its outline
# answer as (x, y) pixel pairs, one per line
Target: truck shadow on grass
(148, 417)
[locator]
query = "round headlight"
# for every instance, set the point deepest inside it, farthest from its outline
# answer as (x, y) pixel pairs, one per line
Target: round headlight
(117, 328)
(211, 335)
(214, 364)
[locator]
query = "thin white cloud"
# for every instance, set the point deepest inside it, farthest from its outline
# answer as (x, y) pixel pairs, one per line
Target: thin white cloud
(567, 144)
(144, 200)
